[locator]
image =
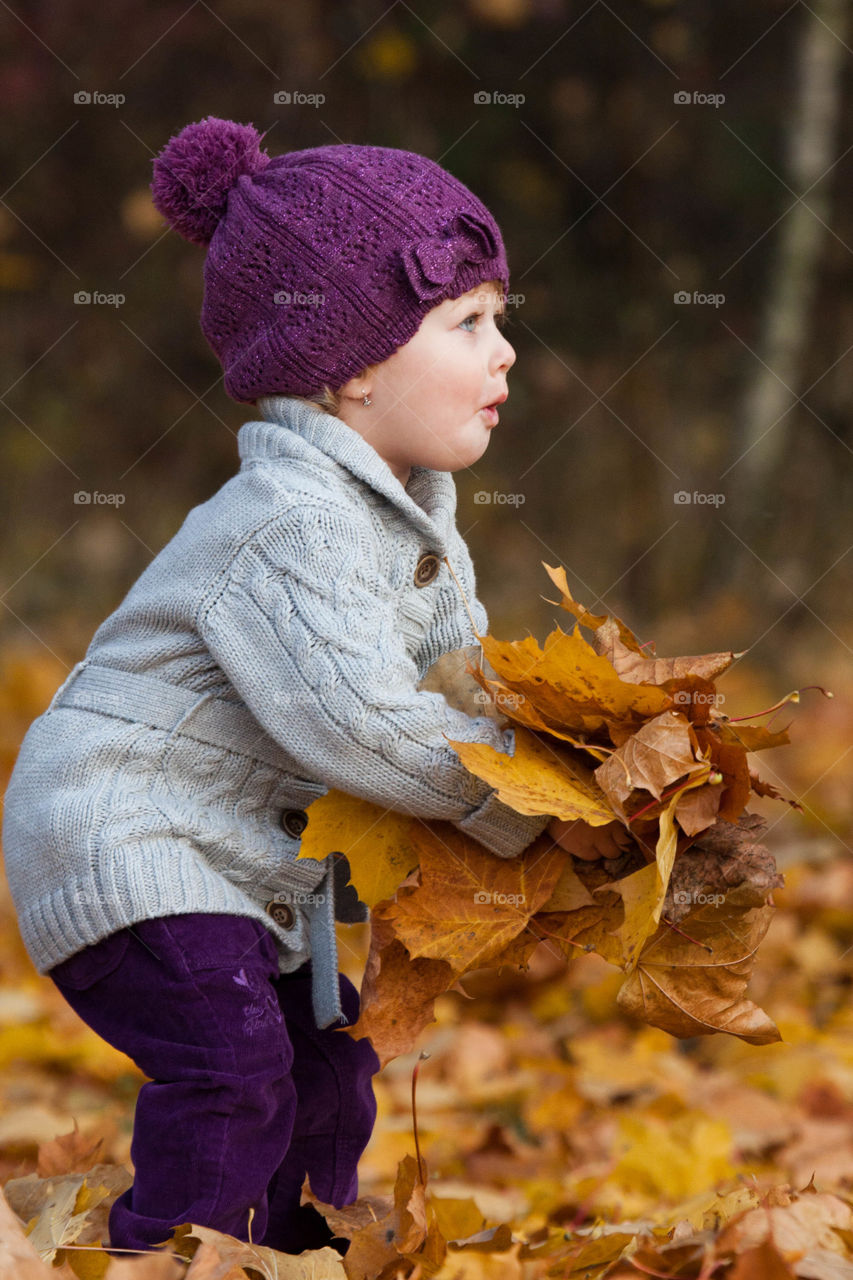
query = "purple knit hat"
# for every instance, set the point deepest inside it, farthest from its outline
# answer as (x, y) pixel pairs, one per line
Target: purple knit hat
(322, 261)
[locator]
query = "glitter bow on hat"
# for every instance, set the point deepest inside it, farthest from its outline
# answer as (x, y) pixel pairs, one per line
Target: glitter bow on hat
(432, 263)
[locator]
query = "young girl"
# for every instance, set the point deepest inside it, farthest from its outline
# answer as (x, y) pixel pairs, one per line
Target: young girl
(272, 650)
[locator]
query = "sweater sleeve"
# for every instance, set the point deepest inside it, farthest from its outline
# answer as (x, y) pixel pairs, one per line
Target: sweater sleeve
(304, 625)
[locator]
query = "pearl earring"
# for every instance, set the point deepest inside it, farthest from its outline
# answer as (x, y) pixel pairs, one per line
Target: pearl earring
(366, 400)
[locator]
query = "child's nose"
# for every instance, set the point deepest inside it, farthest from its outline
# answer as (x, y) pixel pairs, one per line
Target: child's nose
(505, 355)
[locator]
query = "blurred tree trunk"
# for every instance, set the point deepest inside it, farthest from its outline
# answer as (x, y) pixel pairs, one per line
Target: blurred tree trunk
(769, 412)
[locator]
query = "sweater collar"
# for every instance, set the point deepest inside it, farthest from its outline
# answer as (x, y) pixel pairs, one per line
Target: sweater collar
(289, 428)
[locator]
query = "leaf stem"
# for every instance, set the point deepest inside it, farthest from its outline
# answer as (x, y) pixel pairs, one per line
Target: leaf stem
(664, 795)
(547, 932)
(421, 1177)
(695, 941)
(793, 696)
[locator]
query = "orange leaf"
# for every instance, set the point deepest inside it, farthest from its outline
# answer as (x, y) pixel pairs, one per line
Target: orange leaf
(587, 619)
(764, 1262)
(569, 684)
(471, 903)
(397, 993)
(68, 1153)
(410, 1206)
(752, 737)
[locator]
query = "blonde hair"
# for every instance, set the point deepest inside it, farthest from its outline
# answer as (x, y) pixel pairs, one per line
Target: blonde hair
(326, 399)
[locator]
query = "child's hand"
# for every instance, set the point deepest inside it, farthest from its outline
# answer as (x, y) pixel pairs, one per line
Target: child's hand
(590, 843)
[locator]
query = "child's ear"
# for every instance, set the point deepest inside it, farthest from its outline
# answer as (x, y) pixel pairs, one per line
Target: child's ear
(359, 386)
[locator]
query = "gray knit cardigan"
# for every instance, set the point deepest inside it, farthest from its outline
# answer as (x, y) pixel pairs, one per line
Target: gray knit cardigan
(272, 650)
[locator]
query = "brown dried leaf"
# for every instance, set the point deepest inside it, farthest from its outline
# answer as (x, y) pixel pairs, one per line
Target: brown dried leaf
(765, 1262)
(643, 893)
(521, 711)
(693, 983)
(397, 993)
(659, 754)
(727, 856)
(68, 1153)
(410, 1206)
(697, 809)
(805, 1225)
(207, 1264)
(372, 1252)
(68, 1208)
(261, 1262)
(18, 1259)
(762, 788)
(471, 903)
(588, 929)
(731, 762)
(570, 892)
(349, 1219)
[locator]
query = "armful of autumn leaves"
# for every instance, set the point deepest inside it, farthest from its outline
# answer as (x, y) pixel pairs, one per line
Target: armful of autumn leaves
(603, 731)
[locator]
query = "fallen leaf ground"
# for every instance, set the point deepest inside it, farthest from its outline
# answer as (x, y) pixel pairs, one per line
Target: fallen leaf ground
(541, 1101)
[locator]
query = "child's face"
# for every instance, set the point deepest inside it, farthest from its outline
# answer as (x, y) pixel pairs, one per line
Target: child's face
(429, 398)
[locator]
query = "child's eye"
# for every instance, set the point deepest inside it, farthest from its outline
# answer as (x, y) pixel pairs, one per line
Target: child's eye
(500, 319)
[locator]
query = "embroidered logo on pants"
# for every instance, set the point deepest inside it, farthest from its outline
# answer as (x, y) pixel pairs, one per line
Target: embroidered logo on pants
(264, 1008)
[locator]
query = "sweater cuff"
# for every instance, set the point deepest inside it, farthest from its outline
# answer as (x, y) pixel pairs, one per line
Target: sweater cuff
(500, 828)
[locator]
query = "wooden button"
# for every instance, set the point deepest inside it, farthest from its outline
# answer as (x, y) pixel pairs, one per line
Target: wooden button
(294, 822)
(281, 913)
(427, 567)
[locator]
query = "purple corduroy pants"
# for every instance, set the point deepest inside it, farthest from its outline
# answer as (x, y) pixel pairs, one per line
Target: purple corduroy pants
(245, 1094)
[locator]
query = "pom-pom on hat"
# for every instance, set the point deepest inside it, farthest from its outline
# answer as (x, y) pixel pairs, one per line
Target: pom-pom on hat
(319, 262)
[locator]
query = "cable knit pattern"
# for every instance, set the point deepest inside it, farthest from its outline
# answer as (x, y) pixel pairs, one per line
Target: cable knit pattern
(270, 651)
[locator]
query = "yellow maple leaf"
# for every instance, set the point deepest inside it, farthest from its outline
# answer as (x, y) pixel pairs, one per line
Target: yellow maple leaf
(379, 843)
(542, 777)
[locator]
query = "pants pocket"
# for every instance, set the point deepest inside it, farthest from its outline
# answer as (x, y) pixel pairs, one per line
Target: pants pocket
(86, 967)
